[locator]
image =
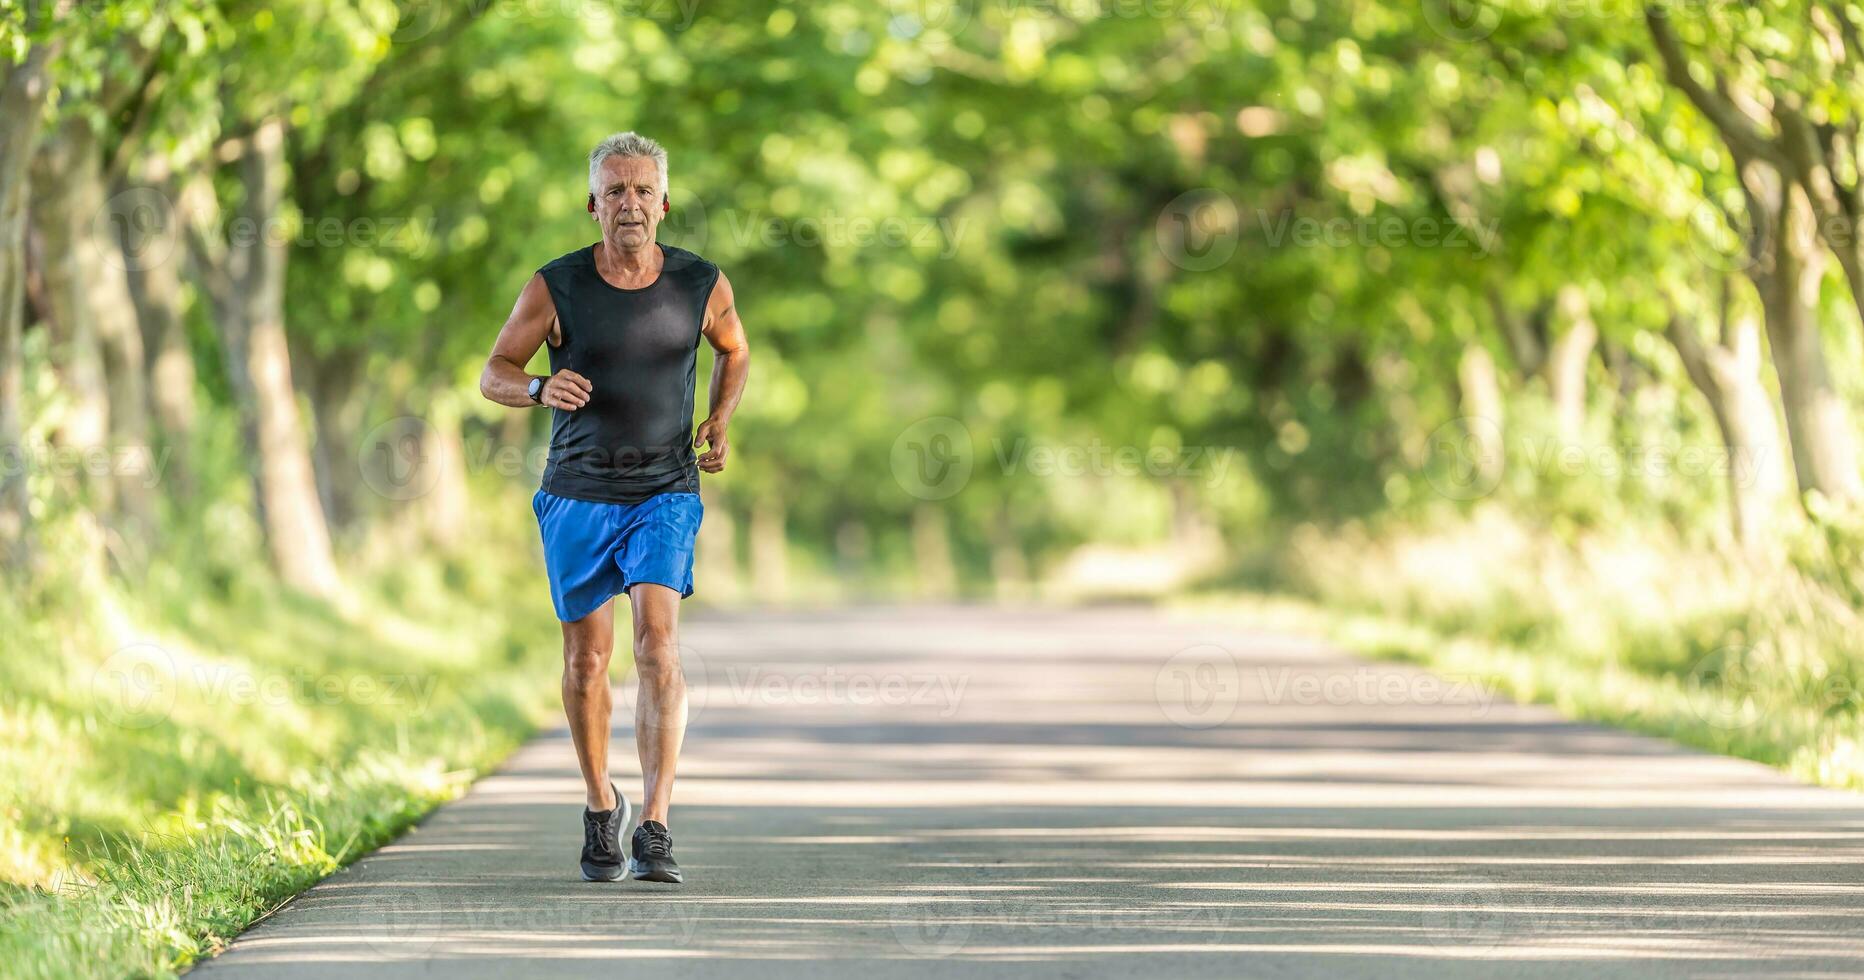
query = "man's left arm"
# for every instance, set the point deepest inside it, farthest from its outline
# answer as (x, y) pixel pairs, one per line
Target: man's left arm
(730, 367)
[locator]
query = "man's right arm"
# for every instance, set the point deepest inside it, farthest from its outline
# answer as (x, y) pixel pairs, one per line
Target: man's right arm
(504, 380)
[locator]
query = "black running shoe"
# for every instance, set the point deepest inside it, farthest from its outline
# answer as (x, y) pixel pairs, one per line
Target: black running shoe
(653, 854)
(601, 849)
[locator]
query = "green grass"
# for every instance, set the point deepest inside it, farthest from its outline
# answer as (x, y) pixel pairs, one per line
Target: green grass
(1750, 656)
(181, 754)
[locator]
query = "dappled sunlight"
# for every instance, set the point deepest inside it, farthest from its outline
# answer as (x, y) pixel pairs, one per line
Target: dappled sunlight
(1010, 833)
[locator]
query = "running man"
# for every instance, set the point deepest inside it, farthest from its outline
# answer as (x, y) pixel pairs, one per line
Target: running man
(619, 505)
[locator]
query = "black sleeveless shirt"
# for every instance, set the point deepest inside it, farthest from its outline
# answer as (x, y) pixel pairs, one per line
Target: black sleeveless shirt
(639, 348)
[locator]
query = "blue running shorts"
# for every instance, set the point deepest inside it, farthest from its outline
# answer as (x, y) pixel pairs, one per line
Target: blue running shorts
(594, 551)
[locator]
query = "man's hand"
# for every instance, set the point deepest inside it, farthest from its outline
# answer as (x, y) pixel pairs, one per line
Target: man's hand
(712, 432)
(566, 390)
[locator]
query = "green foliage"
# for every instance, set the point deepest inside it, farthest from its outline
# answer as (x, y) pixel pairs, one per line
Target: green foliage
(1266, 228)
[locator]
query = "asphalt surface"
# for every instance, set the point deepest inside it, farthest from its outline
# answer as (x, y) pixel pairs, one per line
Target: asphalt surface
(886, 793)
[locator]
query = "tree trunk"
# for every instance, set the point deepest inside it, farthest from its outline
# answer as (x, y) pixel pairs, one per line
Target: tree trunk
(1525, 335)
(447, 507)
(1566, 364)
(770, 550)
(102, 282)
(718, 547)
(23, 91)
(246, 277)
(335, 383)
(1821, 156)
(937, 578)
(75, 349)
(1008, 567)
(1817, 421)
(1728, 375)
(155, 285)
(1783, 260)
(1481, 396)
(853, 552)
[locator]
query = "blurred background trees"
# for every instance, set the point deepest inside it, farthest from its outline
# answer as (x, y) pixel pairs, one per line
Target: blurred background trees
(1046, 297)
(252, 250)
(1529, 323)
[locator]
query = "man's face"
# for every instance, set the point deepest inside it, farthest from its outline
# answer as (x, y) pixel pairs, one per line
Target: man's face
(627, 200)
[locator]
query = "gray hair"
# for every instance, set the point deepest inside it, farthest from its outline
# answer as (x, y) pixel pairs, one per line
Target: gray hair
(629, 144)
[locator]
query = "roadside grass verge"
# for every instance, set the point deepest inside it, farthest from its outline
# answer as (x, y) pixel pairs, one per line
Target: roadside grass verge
(1751, 656)
(181, 755)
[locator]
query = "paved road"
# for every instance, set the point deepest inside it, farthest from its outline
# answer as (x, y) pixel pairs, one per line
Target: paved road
(1122, 792)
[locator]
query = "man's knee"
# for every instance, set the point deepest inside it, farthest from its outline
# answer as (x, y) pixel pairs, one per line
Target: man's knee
(656, 647)
(585, 665)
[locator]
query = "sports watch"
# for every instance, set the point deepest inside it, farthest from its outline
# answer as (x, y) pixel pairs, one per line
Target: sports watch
(536, 390)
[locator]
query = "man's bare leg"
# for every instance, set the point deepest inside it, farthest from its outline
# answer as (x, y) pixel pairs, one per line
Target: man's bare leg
(660, 714)
(587, 645)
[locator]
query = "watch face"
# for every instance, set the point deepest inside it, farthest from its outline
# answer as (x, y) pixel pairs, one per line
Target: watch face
(537, 388)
